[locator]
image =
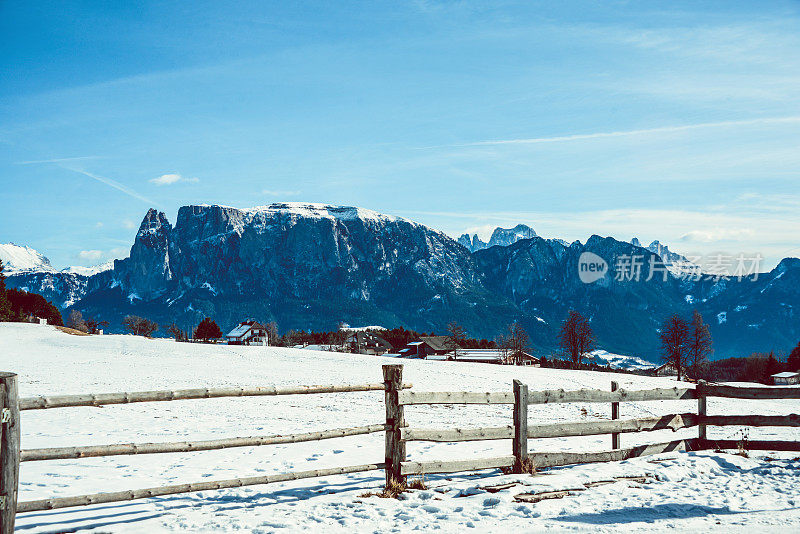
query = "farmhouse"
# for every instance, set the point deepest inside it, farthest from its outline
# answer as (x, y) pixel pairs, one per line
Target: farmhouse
(248, 333)
(365, 342)
(426, 346)
(496, 356)
(668, 369)
(786, 378)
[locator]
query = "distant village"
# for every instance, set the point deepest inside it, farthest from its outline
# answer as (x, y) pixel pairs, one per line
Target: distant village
(371, 341)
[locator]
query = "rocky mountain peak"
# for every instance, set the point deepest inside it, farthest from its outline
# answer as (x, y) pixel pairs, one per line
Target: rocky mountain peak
(500, 236)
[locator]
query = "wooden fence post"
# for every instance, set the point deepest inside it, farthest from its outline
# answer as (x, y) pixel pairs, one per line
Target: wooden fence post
(520, 445)
(701, 413)
(9, 451)
(614, 415)
(395, 447)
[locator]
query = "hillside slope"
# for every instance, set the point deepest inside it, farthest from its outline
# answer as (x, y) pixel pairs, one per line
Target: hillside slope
(50, 362)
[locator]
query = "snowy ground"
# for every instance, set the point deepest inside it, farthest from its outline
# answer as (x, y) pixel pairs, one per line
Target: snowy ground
(692, 491)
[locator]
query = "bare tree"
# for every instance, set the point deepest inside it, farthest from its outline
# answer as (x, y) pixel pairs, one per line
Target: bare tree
(76, 322)
(272, 333)
(139, 326)
(576, 338)
(455, 338)
(699, 343)
(176, 332)
(341, 335)
(675, 342)
(515, 343)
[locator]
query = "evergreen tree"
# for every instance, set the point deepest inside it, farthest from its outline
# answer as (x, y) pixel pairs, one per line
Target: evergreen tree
(794, 359)
(5, 306)
(207, 330)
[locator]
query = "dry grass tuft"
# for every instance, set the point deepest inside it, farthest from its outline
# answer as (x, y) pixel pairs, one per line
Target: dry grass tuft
(71, 331)
(396, 487)
(528, 467)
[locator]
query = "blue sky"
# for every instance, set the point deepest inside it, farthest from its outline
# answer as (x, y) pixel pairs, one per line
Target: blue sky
(677, 121)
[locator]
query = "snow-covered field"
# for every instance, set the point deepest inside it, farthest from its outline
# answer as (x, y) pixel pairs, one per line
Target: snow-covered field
(690, 491)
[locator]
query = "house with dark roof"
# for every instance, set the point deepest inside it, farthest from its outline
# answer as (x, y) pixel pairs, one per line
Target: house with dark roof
(248, 333)
(366, 342)
(426, 347)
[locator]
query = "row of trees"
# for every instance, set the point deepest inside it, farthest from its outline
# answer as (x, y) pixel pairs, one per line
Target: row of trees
(17, 305)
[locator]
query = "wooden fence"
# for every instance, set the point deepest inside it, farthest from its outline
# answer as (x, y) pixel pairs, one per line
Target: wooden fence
(519, 432)
(397, 433)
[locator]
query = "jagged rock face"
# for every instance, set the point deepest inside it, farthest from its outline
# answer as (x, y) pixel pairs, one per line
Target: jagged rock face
(312, 266)
(308, 266)
(500, 236)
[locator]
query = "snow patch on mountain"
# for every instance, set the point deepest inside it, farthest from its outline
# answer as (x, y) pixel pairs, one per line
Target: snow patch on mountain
(619, 361)
(89, 271)
(23, 259)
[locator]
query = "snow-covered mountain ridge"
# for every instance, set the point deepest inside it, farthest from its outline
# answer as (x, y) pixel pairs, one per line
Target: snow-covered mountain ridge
(312, 266)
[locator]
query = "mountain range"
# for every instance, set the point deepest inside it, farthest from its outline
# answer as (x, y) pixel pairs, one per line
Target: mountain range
(312, 266)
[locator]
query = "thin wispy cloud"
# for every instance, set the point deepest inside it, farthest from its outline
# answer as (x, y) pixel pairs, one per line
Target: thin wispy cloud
(63, 163)
(631, 133)
(174, 178)
(112, 183)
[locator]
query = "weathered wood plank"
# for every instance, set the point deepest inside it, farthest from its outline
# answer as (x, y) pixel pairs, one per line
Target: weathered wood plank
(102, 399)
(753, 445)
(702, 409)
(555, 459)
(519, 445)
(752, 420)
(395, 421)
(614, 415)
(735, 392)
(590, 428)
(455, 466)
(533, 498)
(621, 395)
(9, 450)
(456, 397)
(60, 453)
(129, 495)
(457, 434)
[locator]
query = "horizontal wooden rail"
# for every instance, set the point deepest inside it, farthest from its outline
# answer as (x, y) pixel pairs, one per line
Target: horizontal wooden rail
(455, 397)
(546, 397)
(61, 453)
(546, 459)
(762, 393)
(420, 468)
(101, 399)
(751, 420)
(457, 434)
(620, 395)
(555, 459)
(556, 430)
(752, 445)
(129, 495)
(592, 428)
